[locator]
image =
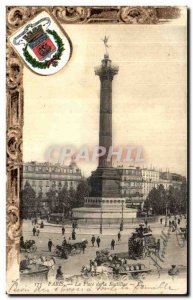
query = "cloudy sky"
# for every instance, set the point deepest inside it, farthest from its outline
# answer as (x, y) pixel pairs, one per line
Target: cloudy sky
(149, 95)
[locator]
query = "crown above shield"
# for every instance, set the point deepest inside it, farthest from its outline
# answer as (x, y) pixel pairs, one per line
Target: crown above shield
(32, 34)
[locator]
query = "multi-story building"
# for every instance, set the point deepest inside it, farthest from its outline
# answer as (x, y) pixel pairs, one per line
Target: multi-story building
(167, 179)
(136, 183)
(131, 185)
(45, 176)
(150, 180)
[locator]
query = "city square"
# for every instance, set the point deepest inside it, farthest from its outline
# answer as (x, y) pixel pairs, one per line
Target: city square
(73, 265)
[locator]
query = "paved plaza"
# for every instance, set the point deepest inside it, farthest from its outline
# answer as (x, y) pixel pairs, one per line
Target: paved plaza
(72, 266)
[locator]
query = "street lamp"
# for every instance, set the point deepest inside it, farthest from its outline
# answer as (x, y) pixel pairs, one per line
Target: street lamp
(101, 219)
(166, 220)
(121, 225)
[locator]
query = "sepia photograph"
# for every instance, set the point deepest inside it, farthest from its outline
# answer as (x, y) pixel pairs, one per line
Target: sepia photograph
(97, 168)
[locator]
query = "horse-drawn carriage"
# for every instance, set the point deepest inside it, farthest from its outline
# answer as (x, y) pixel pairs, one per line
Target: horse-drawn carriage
(113, 265)
(141, 246)
(70, 249)
(28, 246)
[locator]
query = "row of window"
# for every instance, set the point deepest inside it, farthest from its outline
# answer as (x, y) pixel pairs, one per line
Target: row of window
(41, 183)
(52, 169)
(136, 184)
(132, 172)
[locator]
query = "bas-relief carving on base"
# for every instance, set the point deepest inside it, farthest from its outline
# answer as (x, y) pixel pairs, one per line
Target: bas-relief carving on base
(17, 17)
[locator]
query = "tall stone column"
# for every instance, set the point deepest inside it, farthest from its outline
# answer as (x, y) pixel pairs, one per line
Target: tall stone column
(106, 72)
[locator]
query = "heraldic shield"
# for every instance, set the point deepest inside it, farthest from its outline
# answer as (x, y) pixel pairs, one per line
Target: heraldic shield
(42, 44)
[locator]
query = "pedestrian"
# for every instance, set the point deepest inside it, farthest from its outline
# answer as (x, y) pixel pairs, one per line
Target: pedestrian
(22, 243)
(59, 274)
(35, 221)
(119, 236)
(83, 247)
(50, 244)
(93, 240)
(64, 242)
(98, 240)
(63, 230)
(157, 249)
(73, 234)
(173, 270)
(145, 223)
(95, 267)
(178, 221)
(91, 263)
(34, 231)
(112, 244)
(37, 231)
(161, 221)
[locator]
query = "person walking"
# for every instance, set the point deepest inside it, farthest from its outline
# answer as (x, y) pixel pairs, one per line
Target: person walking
(158, 245)
(83, 247)
(59, 274)
(63, 230)
(161, 221)
(37, 231)
(119, 236)
(93, 240)
(64, 242)
(50, 244)
(113, 244)
(98, 240)
(34, 231)
(73, 234)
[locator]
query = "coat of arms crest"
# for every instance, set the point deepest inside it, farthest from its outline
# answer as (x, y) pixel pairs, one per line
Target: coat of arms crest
(42, 45)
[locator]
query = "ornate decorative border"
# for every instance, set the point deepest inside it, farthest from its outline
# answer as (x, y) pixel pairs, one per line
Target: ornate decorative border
(16, 17)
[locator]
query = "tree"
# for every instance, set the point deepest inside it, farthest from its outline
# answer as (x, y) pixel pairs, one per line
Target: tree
(174, 199)
(81, 192)
(51, 199)
(157, 200)
(28, 202)
(183, 193)
(64, 201)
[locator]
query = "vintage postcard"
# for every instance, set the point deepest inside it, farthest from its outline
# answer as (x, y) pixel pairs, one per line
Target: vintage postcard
(97, 150)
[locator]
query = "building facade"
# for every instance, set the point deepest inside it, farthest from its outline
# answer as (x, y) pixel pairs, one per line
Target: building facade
(45, 176)
(131, 185)
(136, 183)
(150, 180)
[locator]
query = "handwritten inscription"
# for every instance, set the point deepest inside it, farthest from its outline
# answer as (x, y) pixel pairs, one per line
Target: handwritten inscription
(90, 286)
